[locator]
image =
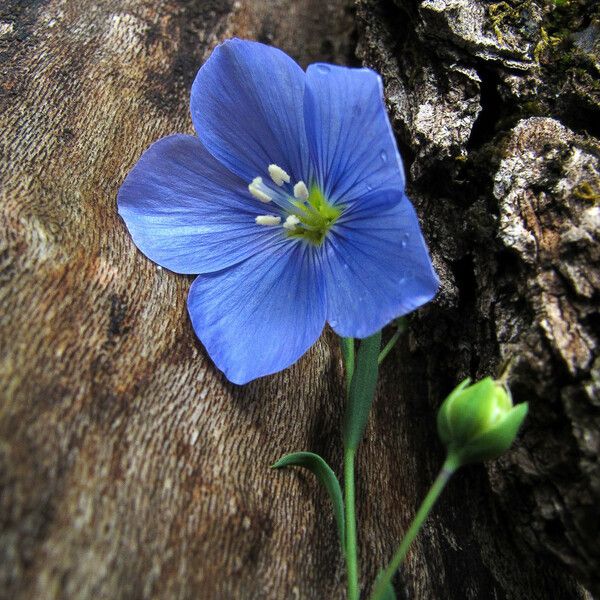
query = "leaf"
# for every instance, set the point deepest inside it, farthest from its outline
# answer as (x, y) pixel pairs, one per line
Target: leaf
(362, 390)
(348, 355)
(325, 475)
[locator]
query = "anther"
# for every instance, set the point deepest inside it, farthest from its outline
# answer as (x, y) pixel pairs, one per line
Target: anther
(254, 189)
(267, 220)
(301, 191)
(278, 175)
(291, 222)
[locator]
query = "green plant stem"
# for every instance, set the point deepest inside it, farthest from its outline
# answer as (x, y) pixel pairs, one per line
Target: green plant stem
(351, 550)
(450, 465)
(400, 329)
(348, 354)
(388, 347)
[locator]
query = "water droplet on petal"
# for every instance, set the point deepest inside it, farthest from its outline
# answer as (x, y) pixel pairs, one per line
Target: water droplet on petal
(404, 240)
(369, 187)
(383, 156)
(333, 323)
(323, 69)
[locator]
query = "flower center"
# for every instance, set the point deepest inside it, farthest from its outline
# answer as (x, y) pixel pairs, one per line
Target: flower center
(305, 213)
(316, 217)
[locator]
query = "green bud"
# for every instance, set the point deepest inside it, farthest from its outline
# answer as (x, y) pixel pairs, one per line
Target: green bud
(479, 422)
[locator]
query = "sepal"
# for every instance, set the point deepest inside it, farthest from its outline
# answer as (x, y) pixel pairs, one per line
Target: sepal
(479, 422)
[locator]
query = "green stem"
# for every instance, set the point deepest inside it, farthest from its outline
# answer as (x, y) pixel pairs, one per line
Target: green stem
(388, 347)
(385, 580)
(348, 354)
(351, 550)
(400, 329)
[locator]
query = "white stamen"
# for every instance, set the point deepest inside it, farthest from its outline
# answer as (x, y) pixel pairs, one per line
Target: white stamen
(278, 175)
(254, 189)
(267, 220)
(291, 222)
(301, 191)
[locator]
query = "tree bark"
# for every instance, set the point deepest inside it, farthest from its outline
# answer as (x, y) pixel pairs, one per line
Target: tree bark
(130, 468)
(497, 107)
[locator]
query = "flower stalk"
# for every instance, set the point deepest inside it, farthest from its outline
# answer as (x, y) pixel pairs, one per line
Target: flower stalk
(476, 423)
(385, 580)
(361, 372)
(350, 512)
(348, 354)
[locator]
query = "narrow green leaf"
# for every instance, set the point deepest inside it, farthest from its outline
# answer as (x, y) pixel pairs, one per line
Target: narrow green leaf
(362, 389)
(325, 475)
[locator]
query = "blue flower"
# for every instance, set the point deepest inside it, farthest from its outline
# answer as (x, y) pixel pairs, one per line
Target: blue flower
(289, 206)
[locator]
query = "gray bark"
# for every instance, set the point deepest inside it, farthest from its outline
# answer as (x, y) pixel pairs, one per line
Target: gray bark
(498, 105)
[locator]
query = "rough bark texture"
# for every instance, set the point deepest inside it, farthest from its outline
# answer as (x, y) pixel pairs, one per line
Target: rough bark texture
(498, 106)
(129, 468)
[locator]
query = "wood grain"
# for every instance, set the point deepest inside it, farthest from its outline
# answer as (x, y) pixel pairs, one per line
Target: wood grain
(130, 467)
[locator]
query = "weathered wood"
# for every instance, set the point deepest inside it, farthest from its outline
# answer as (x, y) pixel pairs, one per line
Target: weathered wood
(129, 468)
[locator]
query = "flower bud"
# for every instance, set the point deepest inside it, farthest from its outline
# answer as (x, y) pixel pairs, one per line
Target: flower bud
(479, 422)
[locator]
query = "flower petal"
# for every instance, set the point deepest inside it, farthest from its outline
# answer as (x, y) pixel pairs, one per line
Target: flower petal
(350, 138)
(187, 212)
(247, 109)
(261, 315)
(376, 266)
